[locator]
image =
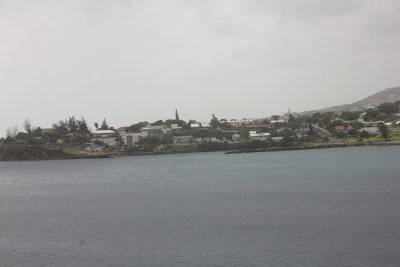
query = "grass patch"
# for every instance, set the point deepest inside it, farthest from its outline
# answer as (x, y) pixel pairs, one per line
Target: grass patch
(72, 149)
(314, 144)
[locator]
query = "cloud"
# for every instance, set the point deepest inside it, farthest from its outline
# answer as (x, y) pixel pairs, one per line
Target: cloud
(133, 60)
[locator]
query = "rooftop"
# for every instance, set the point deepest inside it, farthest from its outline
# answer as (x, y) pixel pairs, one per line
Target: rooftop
(104, 132)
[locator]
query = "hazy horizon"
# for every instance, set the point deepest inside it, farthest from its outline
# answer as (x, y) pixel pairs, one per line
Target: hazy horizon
(130, 61)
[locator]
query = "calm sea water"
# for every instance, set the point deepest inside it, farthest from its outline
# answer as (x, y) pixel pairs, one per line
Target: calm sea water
(333, 207)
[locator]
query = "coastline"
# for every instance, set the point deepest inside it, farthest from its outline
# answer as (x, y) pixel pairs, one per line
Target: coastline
(291, 148)
(68, 155)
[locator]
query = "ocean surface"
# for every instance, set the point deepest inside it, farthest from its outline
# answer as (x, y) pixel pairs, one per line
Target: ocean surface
(328, 207)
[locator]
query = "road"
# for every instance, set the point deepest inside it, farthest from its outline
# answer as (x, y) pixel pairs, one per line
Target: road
(324, 133)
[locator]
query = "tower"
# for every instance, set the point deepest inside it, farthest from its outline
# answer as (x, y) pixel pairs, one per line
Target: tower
(176, 115)
(104, 125)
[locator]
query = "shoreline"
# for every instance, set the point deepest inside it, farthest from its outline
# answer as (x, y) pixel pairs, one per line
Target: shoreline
(277, 149)
(240, 151)
(226, 152)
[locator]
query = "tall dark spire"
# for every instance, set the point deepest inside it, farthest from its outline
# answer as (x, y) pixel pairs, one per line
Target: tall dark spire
(176, 115)
(104, 125)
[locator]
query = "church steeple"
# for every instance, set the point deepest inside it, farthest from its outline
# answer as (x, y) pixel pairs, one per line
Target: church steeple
(104, 125)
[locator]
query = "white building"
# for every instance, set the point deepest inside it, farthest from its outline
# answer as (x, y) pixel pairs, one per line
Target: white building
(258, 136)
(278, 121)
(236, 137)
(105, 136)
(154, 130)
(103, 133)
(130, 139)
(207, 139)
(371, 130)
(182, 140)
(175, 128)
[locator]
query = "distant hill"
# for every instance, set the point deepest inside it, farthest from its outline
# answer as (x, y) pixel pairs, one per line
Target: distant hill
(387, 95)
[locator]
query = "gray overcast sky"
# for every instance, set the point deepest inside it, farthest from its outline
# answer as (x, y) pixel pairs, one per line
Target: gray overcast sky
(129, 61)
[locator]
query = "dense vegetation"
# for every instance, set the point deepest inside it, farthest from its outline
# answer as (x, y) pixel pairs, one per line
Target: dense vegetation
(26, 152)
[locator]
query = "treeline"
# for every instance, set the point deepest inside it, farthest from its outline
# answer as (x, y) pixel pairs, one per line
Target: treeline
(36, 136)
(26, 152)
(72, 125)
(383, 112)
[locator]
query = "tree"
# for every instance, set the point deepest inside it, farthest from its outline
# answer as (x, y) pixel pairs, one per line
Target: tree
(62, 127)
(136, 127)
(315, 118)
(397, 103)
(27, 125)
(191, 122)
(214, 121)
(364, 134)
(357, 124)
(335, 123)
(275, 117)
(37, 132)
(384, 130)
(223, 123)
(82, 125)
(382, 116)
(291, 118)
(180, 123)
(388, 108)
(150, 142)
(23, 136)
(157, 123)
(265, 121)
(287, 137)
(12, 132)
(353, 133)
(340, 134)
(203, 133)
(9, 140)
(326, 118)
(350, 115)
(311, 129)
(176, 115)
(295, 123)
(371, 113)
(96, 125)
(78, 139)
(72, 125)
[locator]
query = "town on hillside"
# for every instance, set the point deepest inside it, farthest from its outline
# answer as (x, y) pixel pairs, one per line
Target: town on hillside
(73, 138)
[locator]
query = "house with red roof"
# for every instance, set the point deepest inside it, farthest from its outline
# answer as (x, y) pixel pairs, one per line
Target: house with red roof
(70, 134)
